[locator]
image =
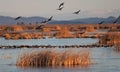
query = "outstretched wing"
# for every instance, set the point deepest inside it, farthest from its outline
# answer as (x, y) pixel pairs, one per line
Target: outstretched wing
(50, 18)
(18, 18)
(60, 8)
(61, 4)
(77, 12)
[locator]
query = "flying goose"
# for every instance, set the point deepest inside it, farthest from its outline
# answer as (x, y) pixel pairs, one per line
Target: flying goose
(77, 12)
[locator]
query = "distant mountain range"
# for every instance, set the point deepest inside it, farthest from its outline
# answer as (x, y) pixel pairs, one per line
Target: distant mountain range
(35, 20)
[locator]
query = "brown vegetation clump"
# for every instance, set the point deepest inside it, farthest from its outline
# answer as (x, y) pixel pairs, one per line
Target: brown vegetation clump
(90, 28)
(111, 38)
(17, 28)
(26, 36)
(53, 58)
(46, 29)
(7, 36)
(57, 28)
(64, 33)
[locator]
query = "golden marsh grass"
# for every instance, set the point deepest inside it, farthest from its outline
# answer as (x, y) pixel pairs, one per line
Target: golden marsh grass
(53, 58)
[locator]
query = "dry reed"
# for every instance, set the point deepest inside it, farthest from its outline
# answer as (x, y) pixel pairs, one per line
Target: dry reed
(111, 38)
(53, 58)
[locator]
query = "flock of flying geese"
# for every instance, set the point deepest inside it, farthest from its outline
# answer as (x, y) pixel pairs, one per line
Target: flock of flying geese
(61, 6)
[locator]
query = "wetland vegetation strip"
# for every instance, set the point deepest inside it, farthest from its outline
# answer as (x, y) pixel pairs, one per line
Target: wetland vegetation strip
(52, 46)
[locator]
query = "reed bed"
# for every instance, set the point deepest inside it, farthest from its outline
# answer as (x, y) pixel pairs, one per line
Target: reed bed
(111, 38)
(51, 58)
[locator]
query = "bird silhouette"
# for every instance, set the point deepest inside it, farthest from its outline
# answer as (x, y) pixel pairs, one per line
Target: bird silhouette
(45, 21)
(101, 22)
(77, 12)
(61, 4)
(60, 8)
(17, 17)
(50, 19)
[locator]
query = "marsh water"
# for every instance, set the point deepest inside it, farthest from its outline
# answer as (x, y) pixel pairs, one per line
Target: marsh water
(104, 59)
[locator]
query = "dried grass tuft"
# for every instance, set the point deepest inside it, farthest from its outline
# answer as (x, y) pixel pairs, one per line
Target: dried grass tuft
(53, 58)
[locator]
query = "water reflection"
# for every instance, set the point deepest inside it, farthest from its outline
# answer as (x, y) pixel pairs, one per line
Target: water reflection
(104, 59)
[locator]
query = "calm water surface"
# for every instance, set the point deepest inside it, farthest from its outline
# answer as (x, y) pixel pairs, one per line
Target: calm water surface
(52, 41)
(106, 59)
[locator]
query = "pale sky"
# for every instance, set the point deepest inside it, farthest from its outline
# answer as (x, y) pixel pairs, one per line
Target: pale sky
(47, 8)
